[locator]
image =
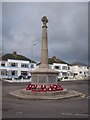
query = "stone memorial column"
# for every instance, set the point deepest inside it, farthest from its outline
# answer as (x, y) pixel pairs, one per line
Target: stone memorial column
(44, 51)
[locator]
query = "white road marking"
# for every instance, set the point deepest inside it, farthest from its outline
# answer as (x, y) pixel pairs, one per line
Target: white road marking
(76, 114)
(19, 112)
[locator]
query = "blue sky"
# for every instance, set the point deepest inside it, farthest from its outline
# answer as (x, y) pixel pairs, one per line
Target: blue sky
(67, 29)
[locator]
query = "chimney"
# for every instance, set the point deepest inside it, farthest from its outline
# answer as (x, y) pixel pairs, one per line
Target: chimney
(54, 58)
(14, 53)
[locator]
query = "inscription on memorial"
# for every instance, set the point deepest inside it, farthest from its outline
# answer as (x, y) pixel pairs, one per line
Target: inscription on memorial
(34, 79)
(42, 79)
(51, 79)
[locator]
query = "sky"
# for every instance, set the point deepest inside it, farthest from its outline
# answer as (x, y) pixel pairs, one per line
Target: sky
(67, 29)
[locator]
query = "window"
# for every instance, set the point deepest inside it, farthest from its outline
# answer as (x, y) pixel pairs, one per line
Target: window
(64, 73)
(3, 64)
(32, 66)
(68, 68)
(56, 67)
(80, 72)
(14, 64)
(71, 74)
(12, 73)
(84, 72)
(25, 65)
(64, 67)
(4, 72)
(24, 73)
(75, 74)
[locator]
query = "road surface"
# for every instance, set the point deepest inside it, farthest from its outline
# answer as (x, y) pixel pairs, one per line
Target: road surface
(13, 107)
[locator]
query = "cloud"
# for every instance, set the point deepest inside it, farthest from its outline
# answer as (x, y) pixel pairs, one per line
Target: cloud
(67, 29)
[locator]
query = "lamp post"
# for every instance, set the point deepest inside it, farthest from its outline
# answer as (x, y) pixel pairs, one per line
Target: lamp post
(32, 54)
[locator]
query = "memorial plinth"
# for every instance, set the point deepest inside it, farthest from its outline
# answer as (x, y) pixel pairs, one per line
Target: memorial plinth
(44, 75)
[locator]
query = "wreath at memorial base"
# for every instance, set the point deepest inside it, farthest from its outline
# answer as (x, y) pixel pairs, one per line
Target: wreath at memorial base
(43, 88)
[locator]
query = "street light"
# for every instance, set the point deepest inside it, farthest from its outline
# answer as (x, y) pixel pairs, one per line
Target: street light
(32, 53)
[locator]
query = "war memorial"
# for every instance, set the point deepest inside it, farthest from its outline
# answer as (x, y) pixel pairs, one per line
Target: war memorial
(44, 80)
(44, 75)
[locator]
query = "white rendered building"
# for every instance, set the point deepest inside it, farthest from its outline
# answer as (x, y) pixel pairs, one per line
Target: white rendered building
(80, 71)
(61, 68)
(14, 68)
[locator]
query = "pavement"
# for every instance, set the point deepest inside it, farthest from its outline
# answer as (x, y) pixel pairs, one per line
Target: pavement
(76, 107)
(29, 80)
(17, 81)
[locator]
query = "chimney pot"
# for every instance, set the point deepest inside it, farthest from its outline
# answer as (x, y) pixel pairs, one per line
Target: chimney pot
(14, 53)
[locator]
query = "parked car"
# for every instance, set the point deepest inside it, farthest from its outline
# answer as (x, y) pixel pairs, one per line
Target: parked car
(24, 77)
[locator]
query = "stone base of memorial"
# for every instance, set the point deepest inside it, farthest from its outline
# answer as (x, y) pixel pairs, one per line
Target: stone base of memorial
(44, 76)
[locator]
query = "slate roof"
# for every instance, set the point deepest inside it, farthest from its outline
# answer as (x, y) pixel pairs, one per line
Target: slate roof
(16, 57)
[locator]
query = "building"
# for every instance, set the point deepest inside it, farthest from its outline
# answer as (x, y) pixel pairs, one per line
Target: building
(63, 68)
(18, 66)
(15, 66)
(80, 70)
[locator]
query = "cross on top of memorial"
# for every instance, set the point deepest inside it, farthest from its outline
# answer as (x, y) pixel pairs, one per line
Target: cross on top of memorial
(44, 20)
